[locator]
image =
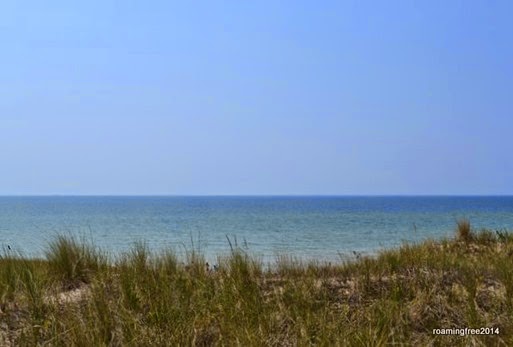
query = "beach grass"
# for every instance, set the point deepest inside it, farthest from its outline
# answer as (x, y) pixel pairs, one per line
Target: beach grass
(77, 296)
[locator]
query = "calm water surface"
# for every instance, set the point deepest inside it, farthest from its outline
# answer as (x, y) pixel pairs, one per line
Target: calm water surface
(306, 227)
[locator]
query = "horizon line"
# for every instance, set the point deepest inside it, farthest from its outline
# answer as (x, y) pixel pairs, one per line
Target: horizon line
(255, 195)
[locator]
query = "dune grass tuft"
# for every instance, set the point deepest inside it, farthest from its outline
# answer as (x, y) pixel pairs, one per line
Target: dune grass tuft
(463, 230)
(73, 262)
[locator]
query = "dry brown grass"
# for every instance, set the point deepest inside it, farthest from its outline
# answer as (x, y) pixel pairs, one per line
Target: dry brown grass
(397, 297)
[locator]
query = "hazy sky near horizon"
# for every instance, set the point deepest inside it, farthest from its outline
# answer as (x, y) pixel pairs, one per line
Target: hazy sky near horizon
(264, 97)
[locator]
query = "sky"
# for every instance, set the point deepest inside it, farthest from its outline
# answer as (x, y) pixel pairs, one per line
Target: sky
(262, 97)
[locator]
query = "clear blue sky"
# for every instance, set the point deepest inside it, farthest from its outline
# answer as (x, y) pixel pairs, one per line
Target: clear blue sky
(261, 97)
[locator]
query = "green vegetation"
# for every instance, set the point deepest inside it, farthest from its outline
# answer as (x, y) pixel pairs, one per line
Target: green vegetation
(78, 297)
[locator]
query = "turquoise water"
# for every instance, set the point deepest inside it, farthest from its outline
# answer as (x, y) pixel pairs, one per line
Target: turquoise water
(323, 228)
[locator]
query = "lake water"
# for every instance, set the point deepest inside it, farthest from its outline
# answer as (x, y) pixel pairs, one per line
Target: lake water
(323, 228)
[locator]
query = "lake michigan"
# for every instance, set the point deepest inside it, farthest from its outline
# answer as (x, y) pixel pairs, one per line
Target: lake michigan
(321, 228)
